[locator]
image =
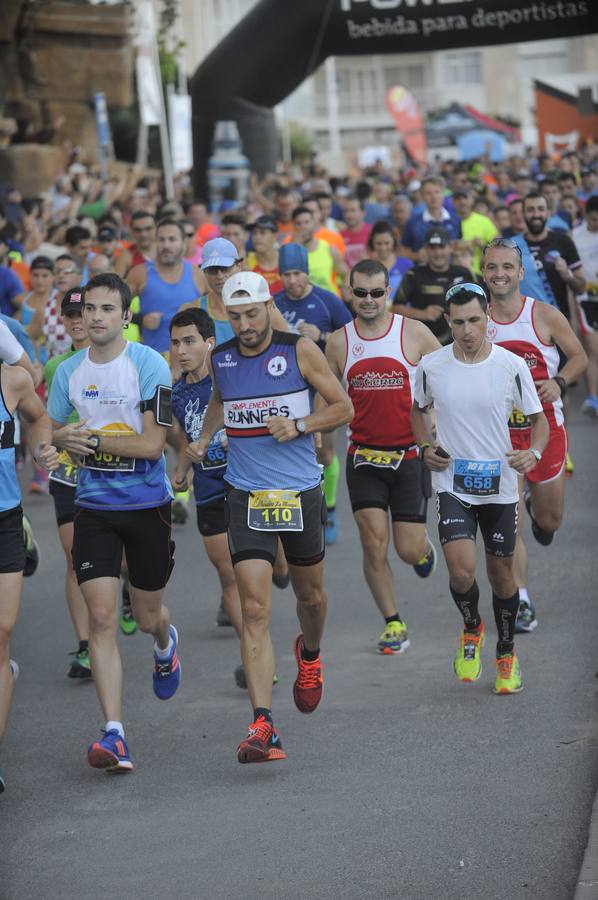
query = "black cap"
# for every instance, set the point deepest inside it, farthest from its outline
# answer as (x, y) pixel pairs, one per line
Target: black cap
(42, 262)
(106, 233)
(72, 301)
(461, 192)
(438, 237)
(265, 222)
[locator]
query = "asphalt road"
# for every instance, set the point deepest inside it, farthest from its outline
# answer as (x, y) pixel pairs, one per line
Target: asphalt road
(404, 783)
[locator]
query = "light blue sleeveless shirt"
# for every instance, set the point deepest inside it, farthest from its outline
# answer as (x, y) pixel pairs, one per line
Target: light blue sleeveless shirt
(10, 492)
(253, 388)
(159, 296)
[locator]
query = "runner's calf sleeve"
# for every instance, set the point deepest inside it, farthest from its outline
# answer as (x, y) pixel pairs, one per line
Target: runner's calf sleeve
(331, 473)
(467, 604)
(505, 616)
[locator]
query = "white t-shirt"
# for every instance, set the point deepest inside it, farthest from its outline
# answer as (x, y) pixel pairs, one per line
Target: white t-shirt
(473, 404)
(586, 242)
(10, 349)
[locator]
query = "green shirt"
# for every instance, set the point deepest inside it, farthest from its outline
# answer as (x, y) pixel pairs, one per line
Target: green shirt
(49, 373)
(481, 227)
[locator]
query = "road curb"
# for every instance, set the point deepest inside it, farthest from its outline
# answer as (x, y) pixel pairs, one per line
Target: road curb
(587, 883)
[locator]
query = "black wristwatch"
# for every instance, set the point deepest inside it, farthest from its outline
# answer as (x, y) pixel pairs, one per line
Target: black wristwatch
(300, 426)
(561, 383)
(94, 441)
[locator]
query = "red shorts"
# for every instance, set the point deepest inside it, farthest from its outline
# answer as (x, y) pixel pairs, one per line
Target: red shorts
(553, 458)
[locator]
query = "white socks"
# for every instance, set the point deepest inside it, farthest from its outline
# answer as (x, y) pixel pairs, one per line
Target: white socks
(116, 726)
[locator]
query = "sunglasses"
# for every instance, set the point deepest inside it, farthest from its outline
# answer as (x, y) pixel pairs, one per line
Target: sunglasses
(508, 243)
(65, 271)
(189, 234)
(467, 287)
(375, 293)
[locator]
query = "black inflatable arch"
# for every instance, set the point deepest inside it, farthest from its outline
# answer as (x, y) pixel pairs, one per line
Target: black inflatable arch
(281, 42)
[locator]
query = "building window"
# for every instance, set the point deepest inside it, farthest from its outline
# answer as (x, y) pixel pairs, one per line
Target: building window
(463, 68)
(409, 76)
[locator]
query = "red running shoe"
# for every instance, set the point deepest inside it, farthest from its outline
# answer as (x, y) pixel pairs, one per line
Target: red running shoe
(262, 743)
(309, 684)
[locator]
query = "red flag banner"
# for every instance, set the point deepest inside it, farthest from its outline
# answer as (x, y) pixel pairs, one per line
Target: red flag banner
(407, 116)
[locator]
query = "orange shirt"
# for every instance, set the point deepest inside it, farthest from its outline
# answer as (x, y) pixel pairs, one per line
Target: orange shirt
(22, 270)
(272, 276)
(206, 232)
(332, 238)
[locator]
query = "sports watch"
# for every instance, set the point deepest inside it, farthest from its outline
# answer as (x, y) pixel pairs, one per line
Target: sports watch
(300, 426)
(94, 441)
(536, 453)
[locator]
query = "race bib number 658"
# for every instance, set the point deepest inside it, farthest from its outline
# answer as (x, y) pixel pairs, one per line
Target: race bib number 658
(476, 477)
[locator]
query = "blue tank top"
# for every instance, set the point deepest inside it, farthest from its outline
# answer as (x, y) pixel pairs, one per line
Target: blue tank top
(159, 296)
(224, 329)
(10, 493)
(189, 403)
(253, 388)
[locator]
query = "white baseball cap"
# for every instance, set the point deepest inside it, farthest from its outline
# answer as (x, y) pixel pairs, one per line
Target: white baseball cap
(254, 286)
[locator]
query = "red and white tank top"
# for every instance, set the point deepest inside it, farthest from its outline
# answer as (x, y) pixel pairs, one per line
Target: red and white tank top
(380, 382)
(521, 337)
(57, 340)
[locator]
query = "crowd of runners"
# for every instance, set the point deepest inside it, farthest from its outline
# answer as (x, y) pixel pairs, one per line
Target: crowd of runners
(158, 356)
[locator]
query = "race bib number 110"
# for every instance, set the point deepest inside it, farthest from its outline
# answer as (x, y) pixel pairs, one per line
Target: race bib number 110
(275, 510)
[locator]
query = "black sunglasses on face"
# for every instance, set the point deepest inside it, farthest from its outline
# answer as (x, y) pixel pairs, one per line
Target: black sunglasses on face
(375, 293)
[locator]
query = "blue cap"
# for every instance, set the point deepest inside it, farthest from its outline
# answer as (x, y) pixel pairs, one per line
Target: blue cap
(218, 252)
(292, 256)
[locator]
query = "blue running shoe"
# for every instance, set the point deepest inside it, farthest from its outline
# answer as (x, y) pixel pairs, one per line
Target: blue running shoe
(426, 566)
(167, 672)
(331, 528)
(590, 406)
(110, 753)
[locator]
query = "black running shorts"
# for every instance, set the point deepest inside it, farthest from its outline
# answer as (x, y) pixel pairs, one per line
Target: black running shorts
(302, 548)
(144, 534)
(63, 496)
(12, 541)
(404, 490)
(211, 518)
(458, 521)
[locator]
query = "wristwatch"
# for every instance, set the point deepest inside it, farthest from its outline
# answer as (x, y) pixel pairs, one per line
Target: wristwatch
(536, 453)
(94, 441)
(300, 426)
(561, 383)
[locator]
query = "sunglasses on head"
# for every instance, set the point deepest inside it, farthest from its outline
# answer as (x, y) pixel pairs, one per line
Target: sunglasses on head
(508, 243)
(466, 287)
(375, 293)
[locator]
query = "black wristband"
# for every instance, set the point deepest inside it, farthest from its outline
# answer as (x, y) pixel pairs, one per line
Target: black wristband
(561, 383)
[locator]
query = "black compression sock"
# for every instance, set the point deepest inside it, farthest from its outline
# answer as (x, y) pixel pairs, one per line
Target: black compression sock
(262, 711)
(309, 655)
(467, 604)
(389, 619)
(83, 645)
(505, 616)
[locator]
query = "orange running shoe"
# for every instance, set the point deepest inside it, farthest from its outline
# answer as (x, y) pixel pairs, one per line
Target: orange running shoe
(309, 684)
(262, 743)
